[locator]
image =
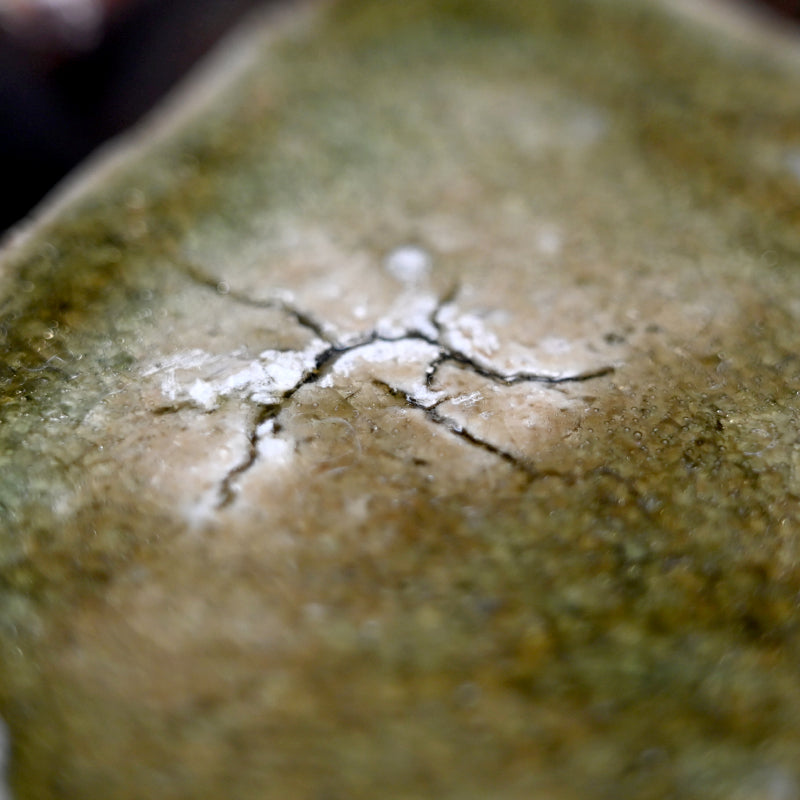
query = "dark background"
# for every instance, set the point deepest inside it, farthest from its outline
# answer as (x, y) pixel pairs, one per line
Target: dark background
(64, 91)
(61, 96)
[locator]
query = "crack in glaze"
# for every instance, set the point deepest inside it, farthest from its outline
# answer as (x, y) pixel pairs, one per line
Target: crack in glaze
(227, 489)
(432, 412)
(326, 360)
(222, 288)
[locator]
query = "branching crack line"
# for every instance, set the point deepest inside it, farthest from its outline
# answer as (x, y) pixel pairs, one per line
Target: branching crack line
(221, 288)
(432, 412)
(227, 488)
(326, 360)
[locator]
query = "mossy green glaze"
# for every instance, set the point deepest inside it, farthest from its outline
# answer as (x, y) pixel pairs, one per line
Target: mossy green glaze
(587, 589)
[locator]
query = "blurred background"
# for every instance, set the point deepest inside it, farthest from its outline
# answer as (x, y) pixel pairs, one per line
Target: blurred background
(75, 72)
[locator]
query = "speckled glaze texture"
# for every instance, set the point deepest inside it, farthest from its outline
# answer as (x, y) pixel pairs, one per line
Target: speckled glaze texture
(418, 418)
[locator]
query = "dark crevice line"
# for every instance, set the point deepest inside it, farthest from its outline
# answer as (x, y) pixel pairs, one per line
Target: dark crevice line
(432, 413)
(466, 362)
(227, 490)
(303, 318)
(448, 353)
(324, 362)
(452, 354)
(306, 320)
(432, 369)
(172, 408)
(327, 359)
